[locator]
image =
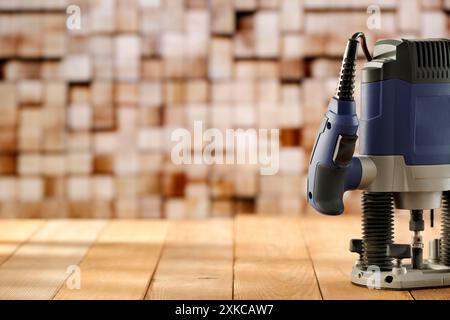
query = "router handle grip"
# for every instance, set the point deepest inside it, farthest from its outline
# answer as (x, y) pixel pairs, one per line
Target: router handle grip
(332, 168)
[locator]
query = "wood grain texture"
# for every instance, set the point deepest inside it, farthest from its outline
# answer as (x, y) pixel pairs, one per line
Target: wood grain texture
(39, 268)
(121, 263)
(328, 239)
(13, 233)
(196, 263)
(256, 257)
(271, 260)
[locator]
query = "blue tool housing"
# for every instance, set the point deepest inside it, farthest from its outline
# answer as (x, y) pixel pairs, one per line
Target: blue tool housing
(407, 119)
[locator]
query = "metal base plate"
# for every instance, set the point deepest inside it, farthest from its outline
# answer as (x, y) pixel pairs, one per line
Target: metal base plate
(431, 276)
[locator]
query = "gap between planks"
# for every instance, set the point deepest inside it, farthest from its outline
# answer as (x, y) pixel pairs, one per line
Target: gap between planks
(327, 240)
(120, 264)
(13, 233)
(272, 261)
(196, 262)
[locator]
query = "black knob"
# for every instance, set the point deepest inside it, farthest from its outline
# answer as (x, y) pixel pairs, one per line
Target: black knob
(399, 251)
(356, 245)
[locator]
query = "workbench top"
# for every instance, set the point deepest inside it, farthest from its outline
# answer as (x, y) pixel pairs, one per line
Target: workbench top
(250, 257)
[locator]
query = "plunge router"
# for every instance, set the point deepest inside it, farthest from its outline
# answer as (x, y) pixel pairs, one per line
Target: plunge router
(404, 161)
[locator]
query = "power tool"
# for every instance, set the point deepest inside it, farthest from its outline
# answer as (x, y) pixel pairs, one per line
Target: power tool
(404, 161)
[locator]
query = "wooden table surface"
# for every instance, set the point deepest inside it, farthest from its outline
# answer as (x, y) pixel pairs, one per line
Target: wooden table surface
(250, 257)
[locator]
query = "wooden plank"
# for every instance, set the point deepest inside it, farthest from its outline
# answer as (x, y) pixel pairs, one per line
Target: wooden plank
(197, 262)
(121, 262)
(271, 260)
(40, 267)
(431, 294)
(327, 239)
(13, 233)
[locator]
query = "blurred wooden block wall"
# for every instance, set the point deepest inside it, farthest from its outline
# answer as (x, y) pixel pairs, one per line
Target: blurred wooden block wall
(86, 115)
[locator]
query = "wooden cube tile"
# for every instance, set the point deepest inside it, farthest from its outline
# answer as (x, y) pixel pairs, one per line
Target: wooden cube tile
(222, 92)
(222, 208)
(149, 184)
(197, 91)
(77, 68)
(291, 15)
(105, 142)
(8, 106)
(80, 93)
(79, 163)
(79, 141)
(30, 164)
(290, 137)
(127, 120)
(267, 42)
(150, 117)
(245, 5)
(150, 207)
(151, 162)
(79, 188)
(80, 209)
(8, 37)
(102, 16)
(174, 93)
(103, 164)
(31, 189)
(173, 184)
(54, 209)
(292, 160)
(30, 92)
(150, 94)
(126, 93)
(103, 187)
(8, 185)
(220, 59)
(152, 69)
(127, 53)
(54, 37)
(102, 209)
(30, 139)
(80, 116)
(126, 208)
(175, 209)
(54, 187)
(55, 94)
(222, 116)
(54, 165)
(268, 91)
(126, 164)
(9, 209)
(127, 16)
(51, 70)
(150, 139)
(31, 42)
(127, 187)
(222, 17)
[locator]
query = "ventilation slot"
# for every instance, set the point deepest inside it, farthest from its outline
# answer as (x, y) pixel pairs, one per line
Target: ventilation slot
(432, 59)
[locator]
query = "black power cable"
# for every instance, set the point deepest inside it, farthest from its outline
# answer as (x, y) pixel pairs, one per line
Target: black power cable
(361, 35)
(346, 84)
